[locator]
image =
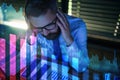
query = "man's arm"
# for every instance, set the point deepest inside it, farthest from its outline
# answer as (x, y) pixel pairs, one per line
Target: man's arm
(77, 51)
(77, 47)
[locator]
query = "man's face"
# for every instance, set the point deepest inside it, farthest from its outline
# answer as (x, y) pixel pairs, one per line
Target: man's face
(46, 25)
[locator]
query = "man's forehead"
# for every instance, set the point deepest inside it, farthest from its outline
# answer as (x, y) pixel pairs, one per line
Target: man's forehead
(39, 21)
(42, 20)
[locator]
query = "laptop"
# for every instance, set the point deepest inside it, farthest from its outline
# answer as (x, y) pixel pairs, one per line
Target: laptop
(45, 70)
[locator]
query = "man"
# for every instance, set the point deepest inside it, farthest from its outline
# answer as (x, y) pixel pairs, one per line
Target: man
(50, 25)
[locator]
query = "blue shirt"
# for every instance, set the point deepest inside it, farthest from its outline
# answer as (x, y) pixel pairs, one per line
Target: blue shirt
(76, 54)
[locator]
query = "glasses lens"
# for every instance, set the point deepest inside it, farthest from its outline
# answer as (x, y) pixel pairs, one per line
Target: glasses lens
(51, 25)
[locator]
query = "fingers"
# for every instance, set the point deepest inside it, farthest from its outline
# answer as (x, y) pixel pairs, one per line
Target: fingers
(62, 16)
(62, 21)
(60, 25)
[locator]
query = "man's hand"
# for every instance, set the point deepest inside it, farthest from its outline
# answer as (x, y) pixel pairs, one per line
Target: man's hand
(64, 26)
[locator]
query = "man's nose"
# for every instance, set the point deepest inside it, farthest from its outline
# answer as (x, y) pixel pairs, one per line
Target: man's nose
(45, 32)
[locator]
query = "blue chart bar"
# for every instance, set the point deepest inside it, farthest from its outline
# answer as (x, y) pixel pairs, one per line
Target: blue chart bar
(96, 76)
(107, 76)
(28, 59)
(7, 60)
(86, 75)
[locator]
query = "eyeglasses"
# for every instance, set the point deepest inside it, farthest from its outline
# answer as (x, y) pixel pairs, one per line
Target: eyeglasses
(47, 27)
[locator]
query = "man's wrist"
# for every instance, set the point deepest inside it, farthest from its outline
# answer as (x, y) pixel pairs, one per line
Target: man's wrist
(69, 42)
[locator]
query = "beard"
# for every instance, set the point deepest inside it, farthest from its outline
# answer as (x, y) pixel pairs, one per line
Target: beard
(52, 36)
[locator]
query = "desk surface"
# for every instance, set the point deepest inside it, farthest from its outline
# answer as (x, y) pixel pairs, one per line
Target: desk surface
(63, 69)
(50, 69)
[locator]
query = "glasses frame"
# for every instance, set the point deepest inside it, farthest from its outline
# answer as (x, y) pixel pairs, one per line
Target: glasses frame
(45, 27)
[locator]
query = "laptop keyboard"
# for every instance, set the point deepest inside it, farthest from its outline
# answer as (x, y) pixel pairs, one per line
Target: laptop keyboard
(57, 76)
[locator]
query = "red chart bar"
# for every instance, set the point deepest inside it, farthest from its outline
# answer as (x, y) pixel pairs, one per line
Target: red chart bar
(22, 57)
(22, 53)
(2, 53)
(13, 56)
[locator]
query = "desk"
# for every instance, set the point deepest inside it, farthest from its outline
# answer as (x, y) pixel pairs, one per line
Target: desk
(53, 70)
(58, 70)
(49, 69)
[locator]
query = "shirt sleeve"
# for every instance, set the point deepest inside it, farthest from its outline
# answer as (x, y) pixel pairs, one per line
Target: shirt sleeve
(77, 51)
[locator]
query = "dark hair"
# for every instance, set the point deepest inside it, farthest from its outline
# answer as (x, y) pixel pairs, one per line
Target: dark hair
(39, 7)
